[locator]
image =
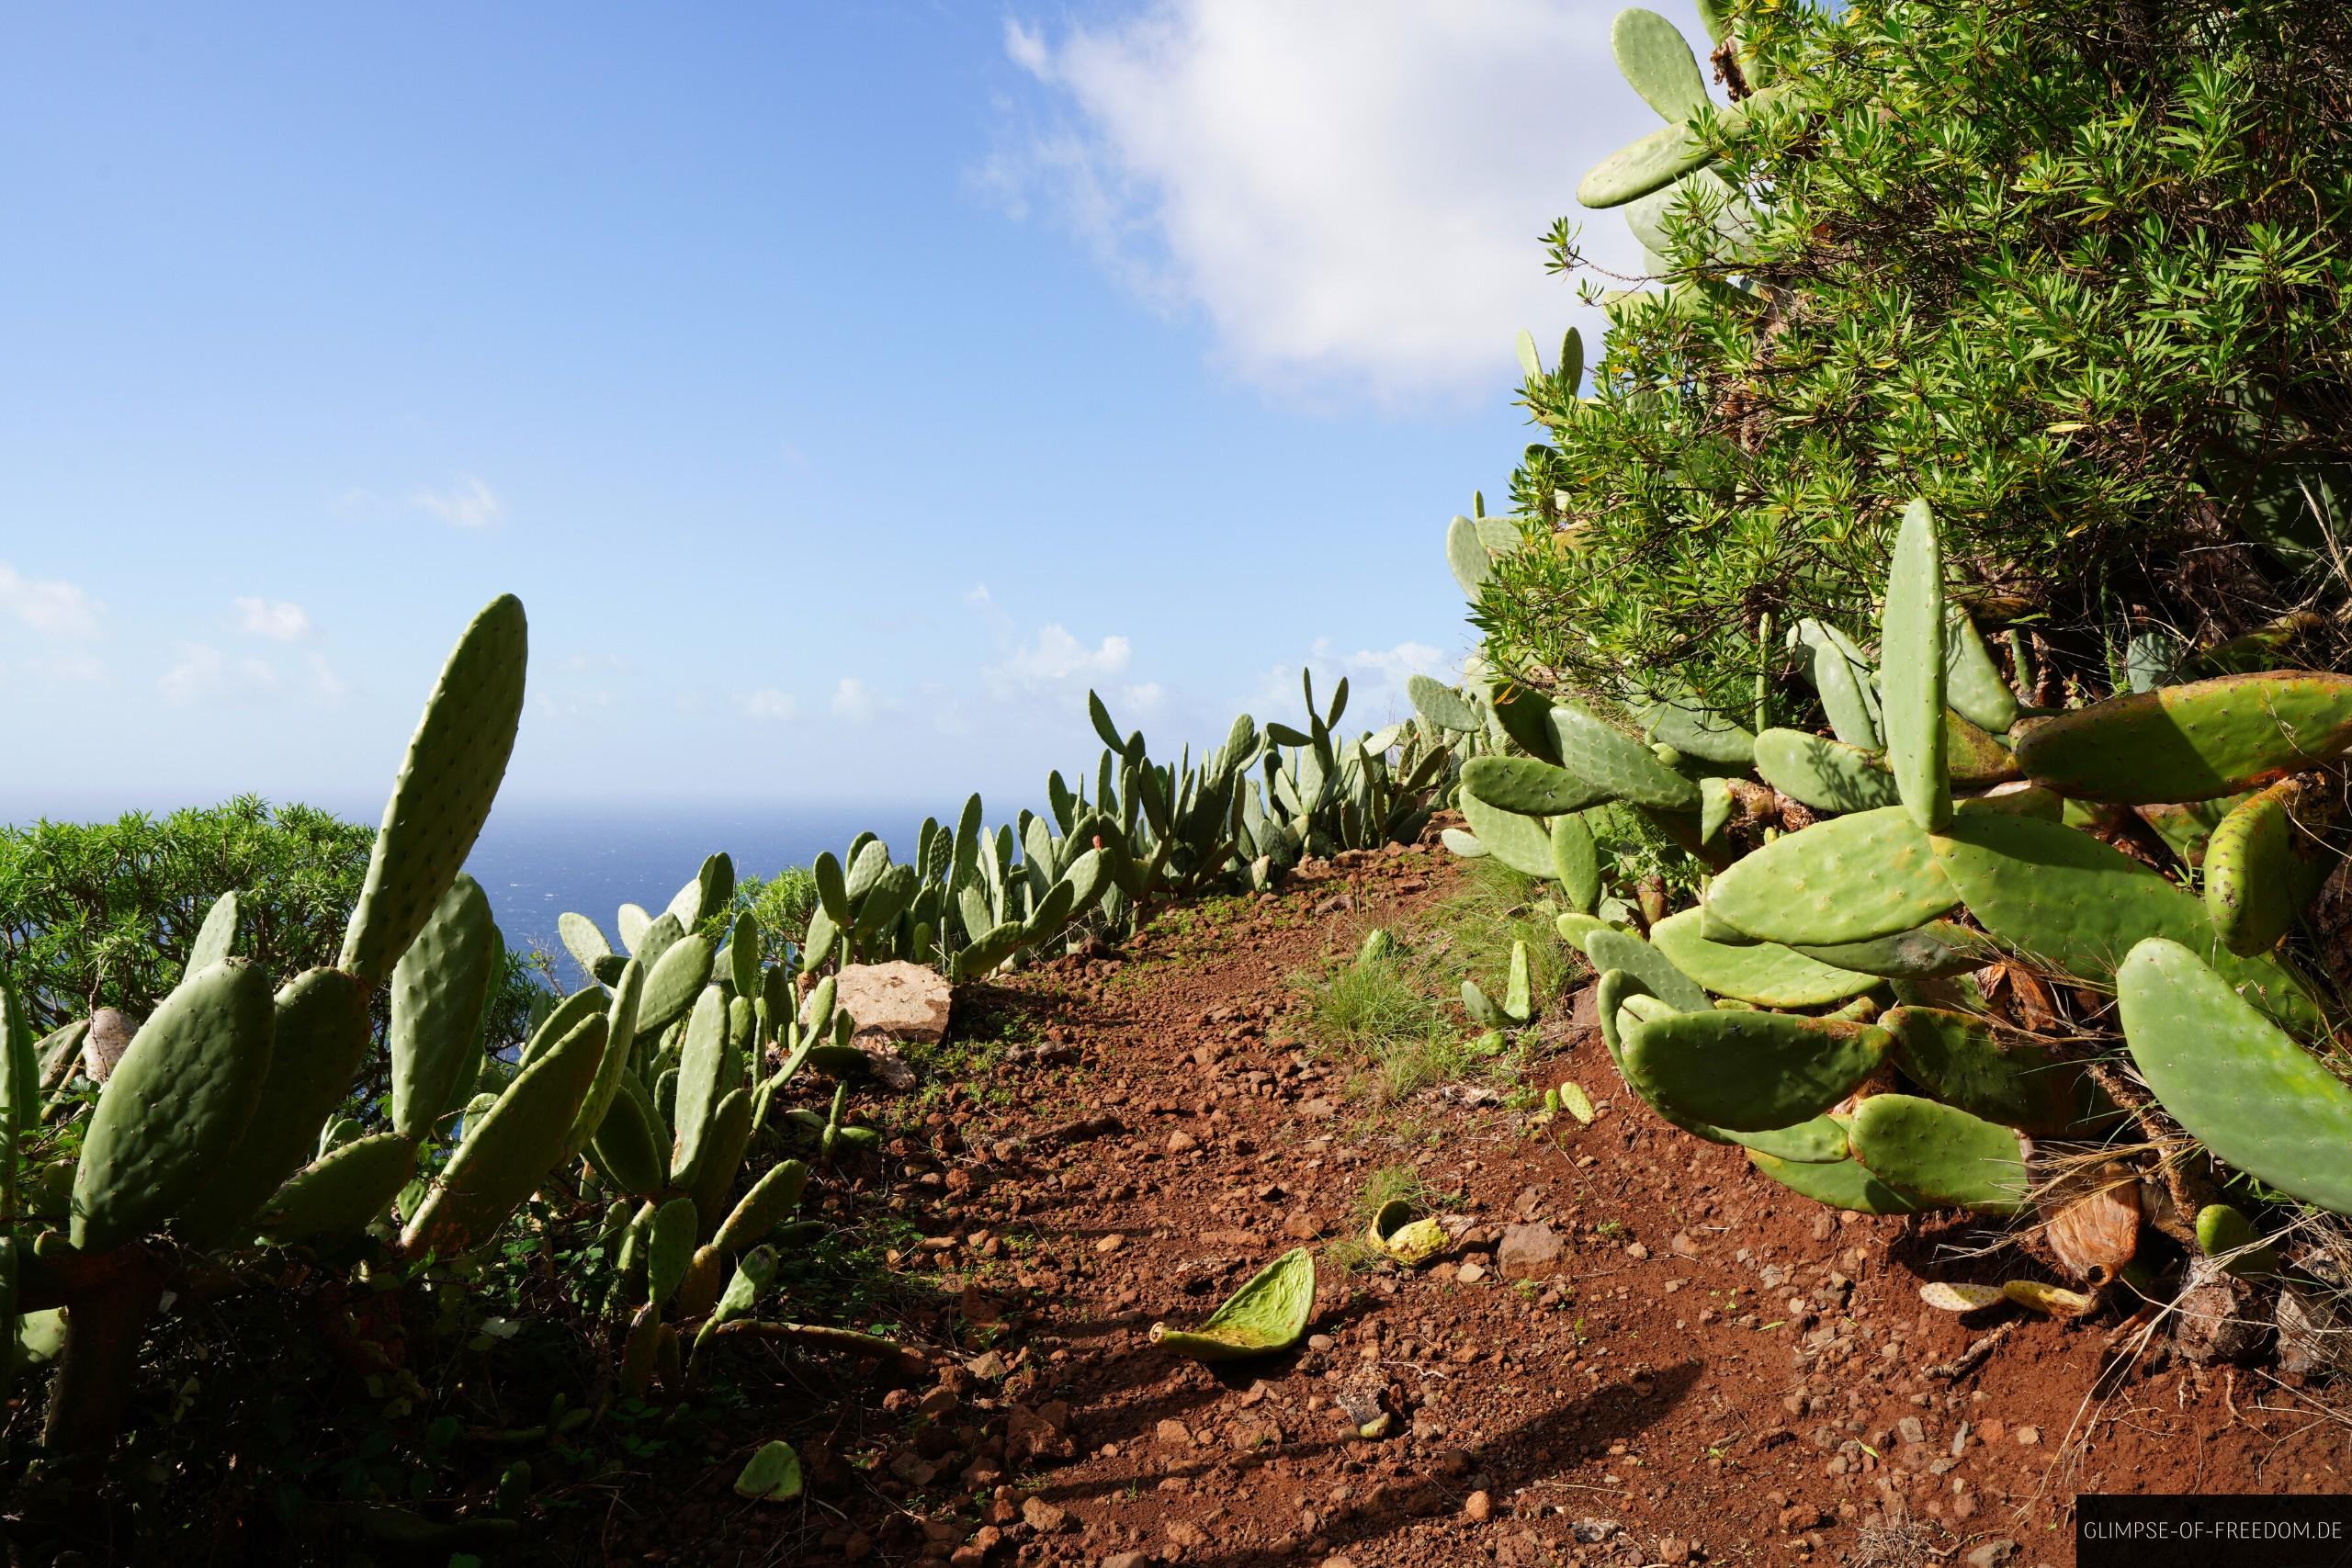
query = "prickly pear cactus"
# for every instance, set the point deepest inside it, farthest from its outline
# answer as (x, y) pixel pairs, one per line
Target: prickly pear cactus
(442, 796)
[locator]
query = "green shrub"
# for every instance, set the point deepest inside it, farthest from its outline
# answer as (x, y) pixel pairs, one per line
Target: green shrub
(2078, 276)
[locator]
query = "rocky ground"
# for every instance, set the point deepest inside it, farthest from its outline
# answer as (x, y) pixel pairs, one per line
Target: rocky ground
(1640, 1352)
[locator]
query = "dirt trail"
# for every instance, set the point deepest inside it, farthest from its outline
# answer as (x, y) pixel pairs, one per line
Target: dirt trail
(1664, 1359)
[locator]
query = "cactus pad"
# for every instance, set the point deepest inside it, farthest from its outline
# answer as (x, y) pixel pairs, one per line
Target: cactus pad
(1821, 1140)
(2015, 1080)
(445, 789)
(1520, 842)
(1751, 1071)
(1656, 62)
(2245, 1090)
(510, 1149)
(1268, 1314)
(1613, 949)
(1617, 765)
(439, 989)
(217, 937)
(1848, 879)
(1940, 1152)
(1931, 951)
(1576, 862)
(2192, 742)
(321, 1033)
(2254, 887)
(2078, 905)
(175, 1104)
(676, 978)
(1526, 785)
(1973, 683)
(1764, 973)
(1442, 706)
(768, 1205)
(1840, 1184)
(340, 1190)
(1911, 670)
(1827, 775)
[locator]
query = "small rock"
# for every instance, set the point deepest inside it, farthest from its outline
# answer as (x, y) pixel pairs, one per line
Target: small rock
(1111, 1242)
(1174, 1434)
(1673, 1552)
(1477, 1507)
(1043, 1516)
(2028, 1436)
(1181, 1142)
(1470, 1273)
(1126, 1560)
(1529, 1252)
(1992, 1554)
(1185, 1533)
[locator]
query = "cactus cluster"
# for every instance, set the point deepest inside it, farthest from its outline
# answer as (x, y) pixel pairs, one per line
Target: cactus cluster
(1829, 1003)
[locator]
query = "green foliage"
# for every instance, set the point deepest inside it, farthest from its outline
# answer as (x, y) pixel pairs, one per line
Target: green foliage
(2079, 278)
(103, 915)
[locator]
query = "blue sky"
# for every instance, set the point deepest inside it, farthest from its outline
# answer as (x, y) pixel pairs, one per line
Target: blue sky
(842, 388)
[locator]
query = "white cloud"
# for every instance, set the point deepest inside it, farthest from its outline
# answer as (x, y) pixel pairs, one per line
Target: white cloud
(854, 700)
(50, 606)
(1055, 657)
(770, 703)
(275, 619)
(469, 504)
(1351, 191)
(203, 676)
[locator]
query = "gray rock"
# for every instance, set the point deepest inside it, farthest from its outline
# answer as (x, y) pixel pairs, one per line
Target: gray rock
(2214, 1317)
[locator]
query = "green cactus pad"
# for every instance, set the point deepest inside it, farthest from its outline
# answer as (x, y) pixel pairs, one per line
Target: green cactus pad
(1662, 157)
(439, 989)
(1973, 683)
(1847, 879)
(1576, 862)
(677, 977)
(1911, 670)
(620, 1035)
(1612, 949)
(2192, 742)
(1699, 732)
(702, 1065)
(2254, 889)
(632, 922)
(1267, 1314)
(669, 1246)
(216, 939)
(1821, 1140)
(1615, 763)
(629, 1141)
(1840, 1184)
(1941, 1153)
(711, 1178)
(1764, 973)
(2186, 828)
(1845, 697)
(338, 1193)
(584, 940)
(1931, 951)
(1521, 843)
(712, 889)
(445, 789)
(1616, 996)
(771, 1475)
(768, 1205)
(177, 1103)
(589, 1001)
(1525, 717)
(511, 1149)
(1527, 786)
(2078, 905)
(2247, 1091)
(1827, 775)
(1751, 1071)
(1442, 706)
(321, 1033)
(1656, 62)
(2013, 1079)
(1465, 555)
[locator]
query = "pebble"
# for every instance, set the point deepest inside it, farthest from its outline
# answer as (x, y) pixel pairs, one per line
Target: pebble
(1477, 1507)
(1111, 1242)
